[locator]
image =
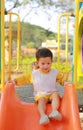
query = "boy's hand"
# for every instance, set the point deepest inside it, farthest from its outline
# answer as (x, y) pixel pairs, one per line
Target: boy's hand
(12, 81)
(66, 83)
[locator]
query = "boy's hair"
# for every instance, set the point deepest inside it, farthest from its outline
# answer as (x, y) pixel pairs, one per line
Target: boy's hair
(43, 52)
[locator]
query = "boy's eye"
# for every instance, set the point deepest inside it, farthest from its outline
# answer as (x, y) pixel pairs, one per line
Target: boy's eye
(44, 63)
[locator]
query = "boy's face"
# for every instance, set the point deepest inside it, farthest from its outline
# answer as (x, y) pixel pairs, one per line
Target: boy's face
(45, 64)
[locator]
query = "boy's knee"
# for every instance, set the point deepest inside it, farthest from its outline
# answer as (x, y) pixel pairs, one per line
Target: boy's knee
(42, 99)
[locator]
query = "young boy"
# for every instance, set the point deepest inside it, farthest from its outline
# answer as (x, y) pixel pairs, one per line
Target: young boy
(44, 82)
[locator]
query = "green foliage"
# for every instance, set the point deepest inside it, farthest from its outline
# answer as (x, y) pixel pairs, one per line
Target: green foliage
(30, 45)
(62, 67)
(35, 34)
(32, 35)
(26, 64)
(27, 59)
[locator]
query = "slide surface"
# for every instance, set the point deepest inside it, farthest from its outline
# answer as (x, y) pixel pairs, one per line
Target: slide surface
(18, 115)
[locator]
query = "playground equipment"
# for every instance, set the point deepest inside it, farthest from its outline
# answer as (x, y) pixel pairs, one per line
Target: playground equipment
(80, 46)
(2, 57)
(17, 115)
(9, 52)
(78, 43)
(11, 14)
(66, 46)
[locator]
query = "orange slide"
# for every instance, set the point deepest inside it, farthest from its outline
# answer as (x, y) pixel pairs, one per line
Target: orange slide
(18, 115)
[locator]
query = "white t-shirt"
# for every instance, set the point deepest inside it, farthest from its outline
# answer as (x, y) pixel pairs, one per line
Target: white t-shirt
(44, 83)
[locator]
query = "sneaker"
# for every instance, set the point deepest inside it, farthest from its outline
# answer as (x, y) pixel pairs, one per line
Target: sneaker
(44, 120)
(55, 115)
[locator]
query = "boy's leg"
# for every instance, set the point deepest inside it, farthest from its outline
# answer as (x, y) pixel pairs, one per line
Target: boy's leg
(42, 109)
(55, 105)
(42, 106)
(55, 101)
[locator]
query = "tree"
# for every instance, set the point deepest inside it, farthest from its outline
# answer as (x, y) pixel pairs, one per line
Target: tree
(31, 45)
(46, 5)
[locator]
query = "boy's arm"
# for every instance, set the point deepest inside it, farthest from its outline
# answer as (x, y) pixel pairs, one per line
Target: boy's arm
(24, 79)
(61, 78)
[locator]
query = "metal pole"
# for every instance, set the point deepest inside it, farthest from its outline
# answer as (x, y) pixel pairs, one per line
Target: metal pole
(2, 55)
(76, 40)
